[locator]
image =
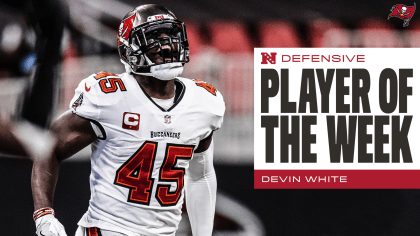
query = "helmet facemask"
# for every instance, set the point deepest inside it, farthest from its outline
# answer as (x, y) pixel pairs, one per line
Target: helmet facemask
(157, 48)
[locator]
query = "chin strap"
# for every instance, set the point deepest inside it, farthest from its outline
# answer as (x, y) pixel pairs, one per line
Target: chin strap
(166, 71)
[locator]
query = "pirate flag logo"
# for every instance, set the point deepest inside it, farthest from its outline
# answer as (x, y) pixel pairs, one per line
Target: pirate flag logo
(403, 12)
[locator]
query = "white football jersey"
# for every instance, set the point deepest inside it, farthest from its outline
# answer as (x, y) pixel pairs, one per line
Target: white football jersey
(142, 151)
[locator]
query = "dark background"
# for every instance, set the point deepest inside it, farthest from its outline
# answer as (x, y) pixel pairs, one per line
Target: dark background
(283, 212)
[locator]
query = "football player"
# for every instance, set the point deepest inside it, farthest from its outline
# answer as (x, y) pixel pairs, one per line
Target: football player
(150, 133)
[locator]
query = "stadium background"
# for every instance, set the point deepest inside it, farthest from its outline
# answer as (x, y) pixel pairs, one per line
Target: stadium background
(222, 36)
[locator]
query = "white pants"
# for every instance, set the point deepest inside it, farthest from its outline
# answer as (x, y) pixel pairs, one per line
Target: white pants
(81, 231)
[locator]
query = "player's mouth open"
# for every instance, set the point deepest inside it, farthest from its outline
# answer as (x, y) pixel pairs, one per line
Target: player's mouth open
(166, 53)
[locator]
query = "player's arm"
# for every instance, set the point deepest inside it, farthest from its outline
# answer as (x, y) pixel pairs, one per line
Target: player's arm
(24, 139)
(72, 133)
(201, 189)
(9, 143)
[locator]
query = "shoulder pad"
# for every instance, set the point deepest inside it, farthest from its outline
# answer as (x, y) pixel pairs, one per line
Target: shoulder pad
(104, 86)
(106, 82)
(210, 88)
(208, 95)
(101, 89)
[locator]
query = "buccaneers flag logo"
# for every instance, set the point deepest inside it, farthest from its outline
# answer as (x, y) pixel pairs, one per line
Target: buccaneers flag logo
(125, 28)
(403, 12)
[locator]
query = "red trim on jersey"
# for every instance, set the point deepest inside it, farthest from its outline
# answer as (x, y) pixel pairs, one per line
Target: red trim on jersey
(93, 231)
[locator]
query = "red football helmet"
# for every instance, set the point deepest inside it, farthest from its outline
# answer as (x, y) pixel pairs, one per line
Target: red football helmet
(153, 27)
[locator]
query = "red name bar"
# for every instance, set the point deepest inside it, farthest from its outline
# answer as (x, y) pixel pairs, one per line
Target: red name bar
(337, 179)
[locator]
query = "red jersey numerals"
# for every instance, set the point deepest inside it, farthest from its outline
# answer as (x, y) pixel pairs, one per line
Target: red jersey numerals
(206, 86)
(109, 85)
(170, 173)
(103, 74)
(135, 174)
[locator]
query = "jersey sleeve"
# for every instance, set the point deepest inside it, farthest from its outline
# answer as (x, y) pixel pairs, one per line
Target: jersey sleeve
(96, 94)
(217, 112)
(85, 100)
(213, 105)
(216, 107)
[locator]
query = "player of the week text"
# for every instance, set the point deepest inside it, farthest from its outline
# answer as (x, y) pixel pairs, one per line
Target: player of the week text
(289, 130)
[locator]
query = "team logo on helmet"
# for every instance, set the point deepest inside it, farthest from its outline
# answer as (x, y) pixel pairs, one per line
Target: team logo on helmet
(403, 12)
(125, 28)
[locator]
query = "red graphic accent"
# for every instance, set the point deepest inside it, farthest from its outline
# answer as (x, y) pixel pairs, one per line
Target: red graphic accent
(110, 85)
(135, 174)
(125, 28)
(206, 86)
(103, 74)
(42, 212)
(268, 58)
(170, 173)
(159, 17)
(336, 179)
(403, 12)
(131, 121)
(86, 88)
(93, 231)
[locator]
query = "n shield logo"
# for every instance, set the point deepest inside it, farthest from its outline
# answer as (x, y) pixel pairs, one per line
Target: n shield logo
(131, 121)
(268, 58)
